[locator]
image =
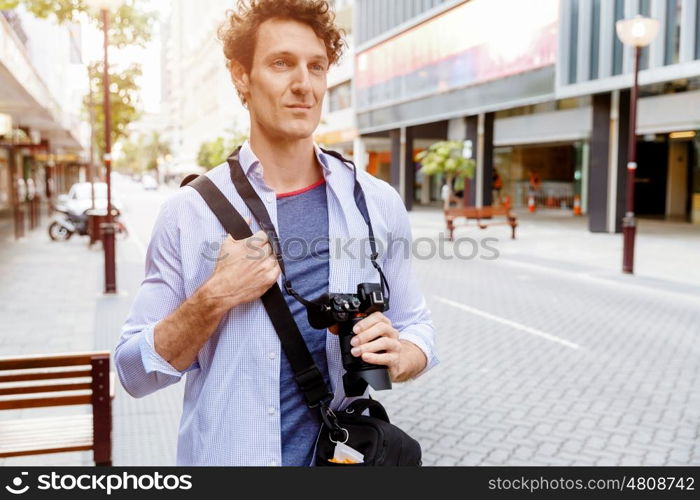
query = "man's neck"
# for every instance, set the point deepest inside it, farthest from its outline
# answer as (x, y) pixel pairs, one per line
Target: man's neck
(287, 165)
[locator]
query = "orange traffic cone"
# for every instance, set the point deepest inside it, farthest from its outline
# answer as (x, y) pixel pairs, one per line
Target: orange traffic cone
(577, 205)
(531, 204)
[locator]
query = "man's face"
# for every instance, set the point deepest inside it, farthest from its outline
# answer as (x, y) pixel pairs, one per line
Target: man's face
(287, 81)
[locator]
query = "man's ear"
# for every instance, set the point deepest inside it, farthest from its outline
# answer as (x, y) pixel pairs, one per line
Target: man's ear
(239, 77)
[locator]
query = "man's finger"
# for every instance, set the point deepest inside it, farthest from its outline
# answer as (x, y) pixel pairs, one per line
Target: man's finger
(370, 320)
(379, 329)
(382, 344)
(383, 359)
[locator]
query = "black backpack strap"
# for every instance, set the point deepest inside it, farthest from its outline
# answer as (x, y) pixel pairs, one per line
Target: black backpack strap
(306, 373)
(188, 179)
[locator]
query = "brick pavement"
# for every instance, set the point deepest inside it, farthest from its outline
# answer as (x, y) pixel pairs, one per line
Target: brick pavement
(629, 395)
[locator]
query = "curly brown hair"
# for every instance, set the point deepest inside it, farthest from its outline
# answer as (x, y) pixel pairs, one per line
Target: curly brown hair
(239, 32)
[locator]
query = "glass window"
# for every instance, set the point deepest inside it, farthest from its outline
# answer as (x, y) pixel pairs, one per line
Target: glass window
(617, 43)
(673, 29)
(573, 42)
(644, 10)
(339, 97)
(595, 38)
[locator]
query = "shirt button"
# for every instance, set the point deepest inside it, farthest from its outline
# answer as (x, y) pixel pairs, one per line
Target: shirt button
(273, 463)
(270, 198)
(271, 410)
(271, 355)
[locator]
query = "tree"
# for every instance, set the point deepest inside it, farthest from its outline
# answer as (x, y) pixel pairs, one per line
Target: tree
(128, 25)
(123, 95)
(131, 159)
(156, 150)
(447, 158)
(213, 153)
(142, 153)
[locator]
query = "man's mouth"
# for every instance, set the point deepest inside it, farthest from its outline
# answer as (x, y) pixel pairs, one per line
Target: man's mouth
(299, 106)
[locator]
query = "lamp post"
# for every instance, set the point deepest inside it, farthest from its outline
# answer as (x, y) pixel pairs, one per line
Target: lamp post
(637, 32)
(107, 229)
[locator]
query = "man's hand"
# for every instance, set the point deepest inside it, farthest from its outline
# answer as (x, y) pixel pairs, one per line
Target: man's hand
(377, 342)
(244, 271)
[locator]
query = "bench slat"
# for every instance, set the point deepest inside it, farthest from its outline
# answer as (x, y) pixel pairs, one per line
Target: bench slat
(45, 361)
(77, 385)
(17, 402)
(43, 374)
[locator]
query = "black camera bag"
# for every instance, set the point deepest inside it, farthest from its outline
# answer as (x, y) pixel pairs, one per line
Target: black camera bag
(381, 442)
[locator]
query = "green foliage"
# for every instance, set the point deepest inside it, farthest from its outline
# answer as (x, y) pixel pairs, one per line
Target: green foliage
(123, 95)
(215, 152)
(446, 157)
(142, 153)
(156, 151)
(128, 25)
(131, 159)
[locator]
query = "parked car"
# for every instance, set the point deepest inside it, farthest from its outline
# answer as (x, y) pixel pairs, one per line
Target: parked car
(149, 182)
(79, 198)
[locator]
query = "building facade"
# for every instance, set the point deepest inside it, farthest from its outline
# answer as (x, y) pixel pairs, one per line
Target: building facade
(199, 102)
(540, 93)
(338, 129)
(40, 104)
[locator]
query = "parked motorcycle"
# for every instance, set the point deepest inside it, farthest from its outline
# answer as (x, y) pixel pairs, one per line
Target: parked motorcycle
(66, 223)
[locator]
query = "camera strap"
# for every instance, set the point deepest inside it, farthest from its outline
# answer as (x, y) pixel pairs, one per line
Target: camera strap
(257, 208)
(306, 373)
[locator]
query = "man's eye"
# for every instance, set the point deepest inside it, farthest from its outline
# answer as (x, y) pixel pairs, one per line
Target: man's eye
(318, 67)
(280, 63)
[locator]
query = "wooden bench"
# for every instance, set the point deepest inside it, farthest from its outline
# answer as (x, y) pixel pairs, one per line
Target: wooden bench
(57, 380)
(481, 214)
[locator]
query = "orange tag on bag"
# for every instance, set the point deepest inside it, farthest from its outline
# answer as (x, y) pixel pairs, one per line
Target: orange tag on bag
(344, 454)
(342, 461)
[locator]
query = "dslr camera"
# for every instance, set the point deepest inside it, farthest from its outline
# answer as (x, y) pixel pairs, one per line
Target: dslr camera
(346, 310)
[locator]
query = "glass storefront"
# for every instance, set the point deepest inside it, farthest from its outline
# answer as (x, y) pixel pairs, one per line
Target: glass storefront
(552, 173)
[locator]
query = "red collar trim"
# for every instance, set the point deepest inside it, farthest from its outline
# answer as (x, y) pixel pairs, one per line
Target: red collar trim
(302, 190)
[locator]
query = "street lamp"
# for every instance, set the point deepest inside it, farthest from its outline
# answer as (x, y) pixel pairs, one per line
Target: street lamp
(108, 228)
(637, 32)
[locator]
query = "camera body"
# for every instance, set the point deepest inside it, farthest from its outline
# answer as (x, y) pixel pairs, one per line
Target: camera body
(346, 310)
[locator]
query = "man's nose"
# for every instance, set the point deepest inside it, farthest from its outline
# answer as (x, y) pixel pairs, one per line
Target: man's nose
(302, 81)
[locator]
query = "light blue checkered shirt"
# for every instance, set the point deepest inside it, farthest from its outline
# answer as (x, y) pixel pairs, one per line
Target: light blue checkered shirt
(232, 393)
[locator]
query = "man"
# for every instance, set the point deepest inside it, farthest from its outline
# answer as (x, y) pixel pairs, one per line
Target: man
(200, 314)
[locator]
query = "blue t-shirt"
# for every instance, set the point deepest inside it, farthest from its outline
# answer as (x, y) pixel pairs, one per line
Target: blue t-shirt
(302, 220)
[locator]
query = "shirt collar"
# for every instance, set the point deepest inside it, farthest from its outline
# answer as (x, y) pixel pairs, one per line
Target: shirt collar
(250, 163)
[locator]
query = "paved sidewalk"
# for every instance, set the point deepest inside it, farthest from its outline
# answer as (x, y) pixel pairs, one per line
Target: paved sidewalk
(51, 301)
(666, 253)
(48, 297)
